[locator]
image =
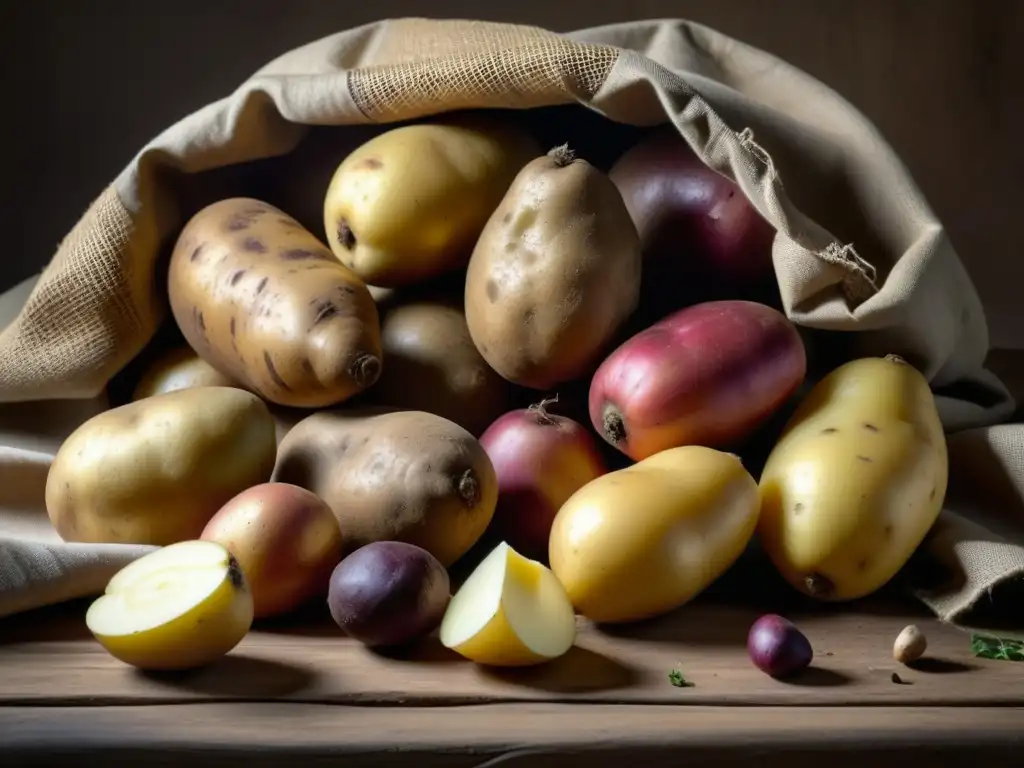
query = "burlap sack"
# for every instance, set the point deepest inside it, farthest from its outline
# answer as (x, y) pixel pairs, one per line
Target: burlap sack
(857, 249)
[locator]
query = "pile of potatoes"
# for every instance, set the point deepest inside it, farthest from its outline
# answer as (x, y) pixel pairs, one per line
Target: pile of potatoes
(499, 355)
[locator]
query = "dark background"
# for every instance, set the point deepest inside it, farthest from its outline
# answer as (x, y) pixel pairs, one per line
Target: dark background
(89, 81)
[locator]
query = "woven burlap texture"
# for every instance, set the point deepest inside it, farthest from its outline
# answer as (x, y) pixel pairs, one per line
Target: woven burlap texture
(858, 249)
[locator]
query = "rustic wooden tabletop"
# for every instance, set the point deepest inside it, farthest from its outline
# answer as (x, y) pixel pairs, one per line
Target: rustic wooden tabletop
(302, 691)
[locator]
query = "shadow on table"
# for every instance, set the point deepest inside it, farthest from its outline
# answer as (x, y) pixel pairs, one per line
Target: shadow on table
(578, 671)
(723, 613)
(238, 675)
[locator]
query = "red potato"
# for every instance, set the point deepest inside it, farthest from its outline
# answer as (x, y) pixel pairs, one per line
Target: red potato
(700, 236)
(286, 540)
(707, 375)
(541, 459)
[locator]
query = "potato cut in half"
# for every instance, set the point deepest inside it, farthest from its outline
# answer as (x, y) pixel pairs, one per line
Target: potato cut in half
(179, 607)
(510, 612)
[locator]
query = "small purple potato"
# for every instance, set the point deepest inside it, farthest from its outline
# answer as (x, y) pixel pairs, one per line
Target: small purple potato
(777, 647)
(388, 593)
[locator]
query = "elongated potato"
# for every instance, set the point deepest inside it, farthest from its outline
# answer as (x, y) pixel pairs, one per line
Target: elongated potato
(644, 540)
(394, 476)
(155, 471)
(709, 374)
(554, 274)
(856, 480)
(266, 303)
(179, 368)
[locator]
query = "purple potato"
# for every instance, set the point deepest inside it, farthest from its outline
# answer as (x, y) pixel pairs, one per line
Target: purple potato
(388, 593)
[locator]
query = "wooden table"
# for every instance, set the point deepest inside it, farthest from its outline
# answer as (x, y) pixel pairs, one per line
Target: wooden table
(302, 692)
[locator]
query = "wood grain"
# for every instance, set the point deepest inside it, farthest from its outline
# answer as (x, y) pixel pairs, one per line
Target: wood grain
(509, 735)
(706, 641)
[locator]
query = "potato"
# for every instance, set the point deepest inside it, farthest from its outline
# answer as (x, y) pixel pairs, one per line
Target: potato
(178, 607)
(701, 237)
(394, 476)
(286, 540)
(644, 540)
(432, 365)
(266, 303)
(856, 480)
(179, 368)
(710, 374)
(388, 593)
(555, 273)
(541, 459)
(155, 471)
(409, 204)
(510, 612)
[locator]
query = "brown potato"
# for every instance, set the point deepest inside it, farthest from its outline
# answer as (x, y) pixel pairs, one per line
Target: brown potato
(555, 273)
(394, 476)
(155, 471)
(431, 364)
(266, 303)
(179, 368)
(286, 540)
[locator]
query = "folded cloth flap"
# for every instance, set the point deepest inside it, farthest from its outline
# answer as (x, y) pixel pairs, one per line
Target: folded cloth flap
(857, 248)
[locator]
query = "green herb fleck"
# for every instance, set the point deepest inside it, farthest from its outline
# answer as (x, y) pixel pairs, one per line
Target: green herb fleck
(986, 647)
(676, 678)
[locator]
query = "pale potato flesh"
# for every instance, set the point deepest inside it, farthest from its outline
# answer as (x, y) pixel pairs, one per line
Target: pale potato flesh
(511, 611)
(178, 607)
(856, 481)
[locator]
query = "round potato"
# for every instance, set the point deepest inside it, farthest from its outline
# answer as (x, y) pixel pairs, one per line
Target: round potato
(432, 365)
(155, 471)
(409, 203)
(266, 303)
(286, 540)
(179, 368)
(394, 476)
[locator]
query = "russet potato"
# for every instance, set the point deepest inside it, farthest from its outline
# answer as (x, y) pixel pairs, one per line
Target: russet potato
(263, 301)
(394, 476)
(554, 274)
(432, 365)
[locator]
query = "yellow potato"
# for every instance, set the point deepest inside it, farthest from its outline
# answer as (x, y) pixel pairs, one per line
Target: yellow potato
(644, 540)
(266, 303)
(409, 204)
(179, 368)
(179, 607)
(510, 612)
(155, 471)
(856, 480)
